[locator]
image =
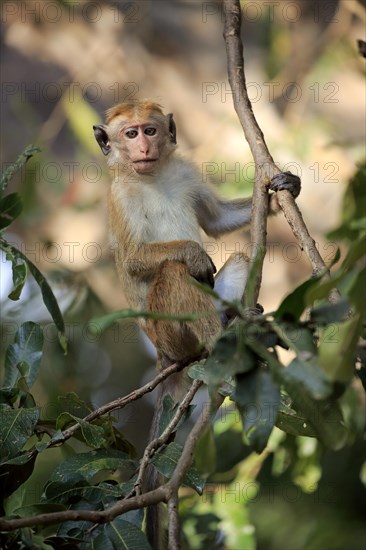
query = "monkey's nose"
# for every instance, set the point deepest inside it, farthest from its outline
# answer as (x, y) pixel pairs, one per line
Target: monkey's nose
(144, 146)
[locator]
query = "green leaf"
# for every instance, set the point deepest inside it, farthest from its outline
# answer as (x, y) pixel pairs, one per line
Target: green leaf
(26, 352)
(325, 314)
(355, 289)
(30, 539)
(293, 423)
(296, 336)
(134, 516)
(337, 348)
(78, 529)
(8, 396)
(169, 410)
(304, 369)
(205, 454)
(356, 251)
(321, 290)
(100, 324)
(257, 398)
(19, 277)
(96, 494)
(166, 460)
(344, 280)
(93, 435)
(353, 208)
(48, 297)
(15, 471)
(230, 449)
(26, 400)
(73, 403)
(10, 208)
(333, 434)
(359, 224)
(197, 371)
(16, 427)
(120, 534)
(295, 303)
(228, 357)
(78, 470)
(305, 373)
(8, 173)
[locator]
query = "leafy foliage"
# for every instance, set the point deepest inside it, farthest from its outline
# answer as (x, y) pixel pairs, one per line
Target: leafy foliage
(10, 209)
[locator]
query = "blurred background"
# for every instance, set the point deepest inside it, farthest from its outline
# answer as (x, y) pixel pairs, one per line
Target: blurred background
(64, 63)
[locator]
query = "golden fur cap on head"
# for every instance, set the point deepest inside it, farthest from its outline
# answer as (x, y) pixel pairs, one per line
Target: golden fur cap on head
(141, 108)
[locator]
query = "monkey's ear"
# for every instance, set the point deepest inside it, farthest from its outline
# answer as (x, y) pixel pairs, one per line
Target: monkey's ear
(172, 128)
(102, 138)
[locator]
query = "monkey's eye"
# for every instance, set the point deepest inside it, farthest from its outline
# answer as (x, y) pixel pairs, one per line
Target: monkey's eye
(131, 134)
(150, 131)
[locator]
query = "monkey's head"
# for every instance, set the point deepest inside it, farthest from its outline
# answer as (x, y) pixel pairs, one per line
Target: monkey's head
(137, 137)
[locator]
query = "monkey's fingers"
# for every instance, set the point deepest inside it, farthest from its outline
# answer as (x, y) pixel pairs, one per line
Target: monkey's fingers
(206, 276)
(211, 279)
(286, 181)
(207, 279)
(210, 273)
(213, 267)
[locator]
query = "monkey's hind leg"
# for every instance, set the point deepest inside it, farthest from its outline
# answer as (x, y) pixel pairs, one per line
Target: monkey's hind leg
(173, 293)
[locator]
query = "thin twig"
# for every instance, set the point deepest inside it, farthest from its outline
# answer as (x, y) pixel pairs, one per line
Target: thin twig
(161, 494)
(186, 458)
(119, 403)
(164, 437)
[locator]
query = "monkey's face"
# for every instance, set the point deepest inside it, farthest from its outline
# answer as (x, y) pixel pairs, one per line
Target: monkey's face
(137, 144)
(142, 145)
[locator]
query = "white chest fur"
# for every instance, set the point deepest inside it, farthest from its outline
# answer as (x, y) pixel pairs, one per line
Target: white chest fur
(161, 208)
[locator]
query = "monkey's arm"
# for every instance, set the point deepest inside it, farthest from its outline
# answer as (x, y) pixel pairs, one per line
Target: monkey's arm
(217, 216)
(143, 260)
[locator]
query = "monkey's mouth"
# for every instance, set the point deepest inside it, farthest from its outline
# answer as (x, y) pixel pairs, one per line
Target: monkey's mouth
(144, 165)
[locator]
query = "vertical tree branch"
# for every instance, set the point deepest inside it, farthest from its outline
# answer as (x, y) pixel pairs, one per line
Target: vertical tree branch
(186, 458)
(173, 522)
(164, 437)
(265, 167)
